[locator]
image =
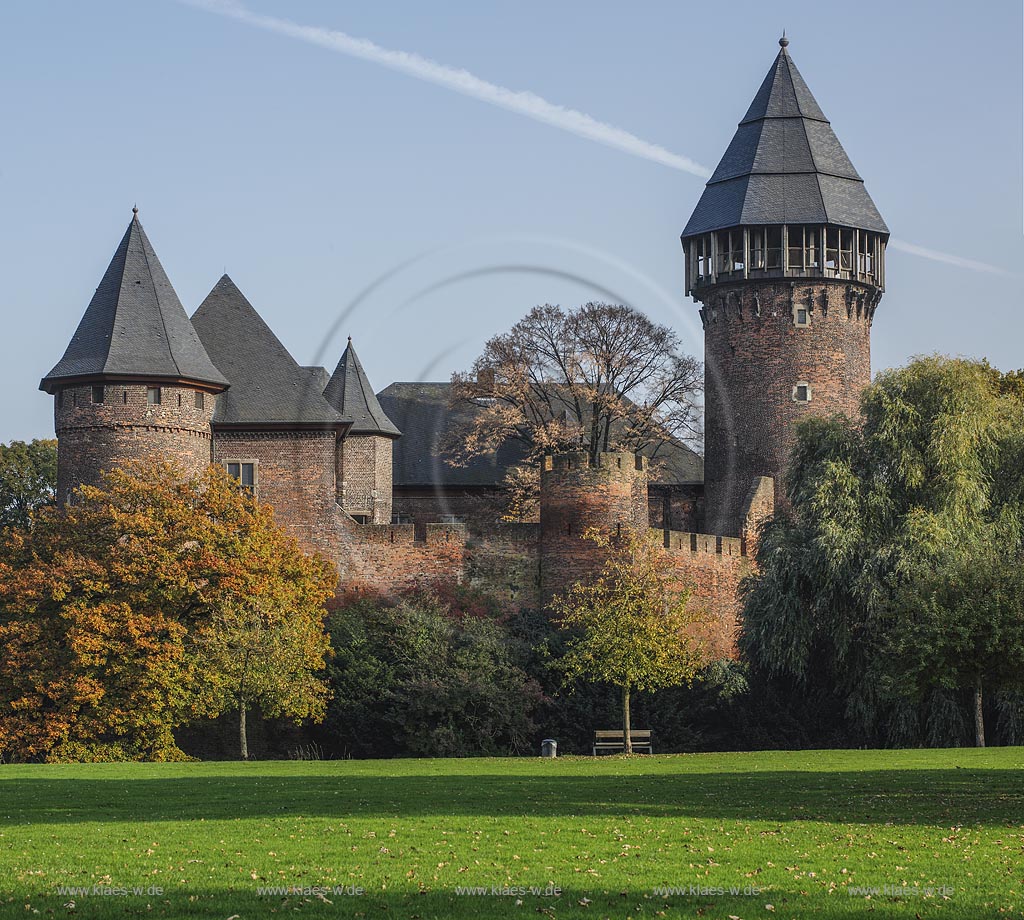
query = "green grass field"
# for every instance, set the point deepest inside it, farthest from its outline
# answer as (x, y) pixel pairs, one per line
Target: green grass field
(800, 829)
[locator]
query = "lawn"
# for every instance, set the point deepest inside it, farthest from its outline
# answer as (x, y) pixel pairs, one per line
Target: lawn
(802, 830)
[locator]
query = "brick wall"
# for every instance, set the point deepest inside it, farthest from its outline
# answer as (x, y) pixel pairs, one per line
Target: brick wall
(295, 474)
(364, 476)
(754, 356)
(95, 437)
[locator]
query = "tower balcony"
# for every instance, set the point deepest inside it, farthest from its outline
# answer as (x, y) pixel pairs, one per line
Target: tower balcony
(797, 251)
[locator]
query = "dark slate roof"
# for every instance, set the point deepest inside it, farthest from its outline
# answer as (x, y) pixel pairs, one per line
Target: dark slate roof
(321, 375)
(135, 325)
(349, 391)
(268, 387)
(784, 165)
(422, 411)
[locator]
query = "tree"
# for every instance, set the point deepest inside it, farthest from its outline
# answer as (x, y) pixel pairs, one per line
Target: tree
(633, 628)
(894, 580)
(437, 673)
(110, 605)
(598, 378)
(28, 479)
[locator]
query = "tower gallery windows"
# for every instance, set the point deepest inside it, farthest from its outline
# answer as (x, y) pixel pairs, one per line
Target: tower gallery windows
(785, 251)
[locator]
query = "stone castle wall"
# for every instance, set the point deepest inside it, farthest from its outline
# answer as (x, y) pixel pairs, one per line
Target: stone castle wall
(364, 476)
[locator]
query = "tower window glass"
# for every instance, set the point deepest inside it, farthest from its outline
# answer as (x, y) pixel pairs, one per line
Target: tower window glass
(97, 394)
(153, 396)
(244, 471)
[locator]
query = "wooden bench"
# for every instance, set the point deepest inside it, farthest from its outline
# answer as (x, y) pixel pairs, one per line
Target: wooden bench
(614, 742)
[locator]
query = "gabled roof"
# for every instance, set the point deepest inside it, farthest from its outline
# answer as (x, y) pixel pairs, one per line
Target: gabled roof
(268, 387)
(135, 326)
(784, 165)
(427, 419)
(349, 392)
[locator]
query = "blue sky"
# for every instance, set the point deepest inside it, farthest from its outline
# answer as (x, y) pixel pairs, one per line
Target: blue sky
(347, 198)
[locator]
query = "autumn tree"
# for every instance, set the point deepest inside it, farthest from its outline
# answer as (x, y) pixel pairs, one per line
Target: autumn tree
(894, 582)
(630, 626)
(600, 377)
(109, 607)
(28, 479)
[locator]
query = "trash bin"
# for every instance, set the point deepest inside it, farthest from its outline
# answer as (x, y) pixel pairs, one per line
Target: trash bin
(549, 748)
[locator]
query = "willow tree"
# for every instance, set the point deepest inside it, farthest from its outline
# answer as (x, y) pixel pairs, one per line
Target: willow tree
(894, 579)
(631, 626)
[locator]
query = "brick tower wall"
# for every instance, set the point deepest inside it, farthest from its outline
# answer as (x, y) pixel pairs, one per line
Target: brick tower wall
(755, 355)
(96, 437)
(576, 495)
(364, 476)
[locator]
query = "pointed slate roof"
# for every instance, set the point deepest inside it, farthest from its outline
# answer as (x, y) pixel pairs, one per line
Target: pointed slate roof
(268, 387)
(135, 326)
(784, 165)
(349, 391)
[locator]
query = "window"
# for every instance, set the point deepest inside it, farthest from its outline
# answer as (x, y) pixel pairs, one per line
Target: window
(449, 519)
(361, 518)
(802, 392)
(800, 317)
(200, 399)
(774, 248)
(244, 471)
(97, 394)
(153, 396)
(401, 518)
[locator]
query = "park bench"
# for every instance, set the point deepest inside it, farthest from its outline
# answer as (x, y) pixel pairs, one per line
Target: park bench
(614, 742)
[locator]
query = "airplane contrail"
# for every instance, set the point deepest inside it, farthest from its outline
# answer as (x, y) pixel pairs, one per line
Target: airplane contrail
(522, 102)
(462, 81)
(948, 258)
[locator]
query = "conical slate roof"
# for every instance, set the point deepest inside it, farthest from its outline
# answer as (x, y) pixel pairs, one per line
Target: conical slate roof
(135, 326)
(785, 165)
(349, 391)
(268, 387)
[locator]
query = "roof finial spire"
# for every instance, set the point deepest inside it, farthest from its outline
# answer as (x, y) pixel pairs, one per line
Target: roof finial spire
(135, 210)
(783, 42)
(350, 340)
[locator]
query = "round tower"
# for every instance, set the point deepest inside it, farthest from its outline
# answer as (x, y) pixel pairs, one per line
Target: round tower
(785, 252)
(135, 381)
(578, 492)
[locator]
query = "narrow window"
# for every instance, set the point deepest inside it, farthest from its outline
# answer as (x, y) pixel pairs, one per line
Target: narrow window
(200, 399)
(124, 397)
(97, 394)
(179, 400)
(801, 316)
(802, 392)
(153, 396)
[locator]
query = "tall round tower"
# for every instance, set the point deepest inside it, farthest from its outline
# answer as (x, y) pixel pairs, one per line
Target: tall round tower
(785, 252)
(135, 380)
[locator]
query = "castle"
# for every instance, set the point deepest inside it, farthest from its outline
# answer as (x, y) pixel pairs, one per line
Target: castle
(785, 252)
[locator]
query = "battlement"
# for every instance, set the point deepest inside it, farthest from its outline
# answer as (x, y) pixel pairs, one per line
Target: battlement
(708, 544)
(606, 460)
(405, 534)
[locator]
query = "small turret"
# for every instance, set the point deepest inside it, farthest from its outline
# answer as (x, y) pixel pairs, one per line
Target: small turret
(135, 380)
(364, 476)
(577, 492)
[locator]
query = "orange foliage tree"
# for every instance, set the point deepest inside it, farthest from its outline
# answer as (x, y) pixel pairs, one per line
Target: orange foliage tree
(109, 608)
